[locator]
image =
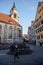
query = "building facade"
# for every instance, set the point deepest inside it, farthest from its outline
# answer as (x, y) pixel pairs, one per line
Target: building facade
(10, 29)
(39, 24)
(31, 33)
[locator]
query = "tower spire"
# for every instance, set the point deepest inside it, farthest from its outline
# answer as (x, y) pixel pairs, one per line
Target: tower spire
(14, 4)
(14, 12)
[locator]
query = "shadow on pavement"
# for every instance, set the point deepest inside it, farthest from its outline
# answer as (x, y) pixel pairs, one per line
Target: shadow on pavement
(21, 52)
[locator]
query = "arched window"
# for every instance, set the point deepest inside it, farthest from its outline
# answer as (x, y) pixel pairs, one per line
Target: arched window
(5, 31)
(0, 29)
(19, 33)
(10, 32)
(14, 15)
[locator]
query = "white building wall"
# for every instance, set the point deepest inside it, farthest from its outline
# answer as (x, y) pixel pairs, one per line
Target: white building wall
(2, 32)
(10, 40)
(5, 38)
(5, 33)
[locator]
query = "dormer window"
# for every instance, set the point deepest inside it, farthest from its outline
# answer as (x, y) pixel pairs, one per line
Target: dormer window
(15, 15)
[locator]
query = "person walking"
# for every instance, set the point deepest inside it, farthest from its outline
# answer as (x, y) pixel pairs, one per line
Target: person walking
(16, 52)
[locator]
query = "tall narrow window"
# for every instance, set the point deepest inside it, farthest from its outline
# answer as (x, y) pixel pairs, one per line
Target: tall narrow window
(38, 37)
(19, 33)
(15, 15)
(5, 30)
(10, 32)
(0, 29)
(42, 22)
(0, 38)
(42, 28)
(42, 7)
(41, 35)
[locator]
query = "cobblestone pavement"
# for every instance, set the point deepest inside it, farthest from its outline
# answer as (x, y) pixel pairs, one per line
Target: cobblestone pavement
(36, 58)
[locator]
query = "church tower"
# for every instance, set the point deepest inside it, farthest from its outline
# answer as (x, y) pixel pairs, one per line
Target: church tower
(14, 13)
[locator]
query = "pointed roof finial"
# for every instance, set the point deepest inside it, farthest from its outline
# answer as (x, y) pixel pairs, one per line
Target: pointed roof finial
(14, 4)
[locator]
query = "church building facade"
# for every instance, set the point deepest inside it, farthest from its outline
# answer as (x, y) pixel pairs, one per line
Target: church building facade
(10, 29)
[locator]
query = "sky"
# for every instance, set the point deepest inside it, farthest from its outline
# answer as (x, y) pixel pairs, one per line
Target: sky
(26, 10)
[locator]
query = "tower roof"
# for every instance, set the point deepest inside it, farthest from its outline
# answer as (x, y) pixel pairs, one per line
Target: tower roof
(7, 19)
(13, 6)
